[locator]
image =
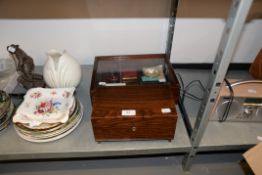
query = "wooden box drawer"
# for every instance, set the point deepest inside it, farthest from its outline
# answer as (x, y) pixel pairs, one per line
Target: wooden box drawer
(109, 124)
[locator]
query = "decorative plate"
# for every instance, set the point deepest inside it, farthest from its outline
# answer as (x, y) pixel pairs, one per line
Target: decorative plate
(44, 126)
(43, 105)
(53, 128)
(4, 123)
(68, 127)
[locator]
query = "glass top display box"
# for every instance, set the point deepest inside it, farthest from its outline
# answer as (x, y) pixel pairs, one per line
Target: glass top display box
(133, 98)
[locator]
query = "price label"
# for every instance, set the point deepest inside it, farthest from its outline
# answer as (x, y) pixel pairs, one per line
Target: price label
(128, 112)
(165, 110)
(252, 91)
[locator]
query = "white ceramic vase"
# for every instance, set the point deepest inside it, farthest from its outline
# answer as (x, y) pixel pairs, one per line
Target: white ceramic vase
(61, 70)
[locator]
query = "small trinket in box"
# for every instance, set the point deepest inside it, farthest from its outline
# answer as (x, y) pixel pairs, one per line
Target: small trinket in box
(153, 74)
(110, 77)
(129, 75)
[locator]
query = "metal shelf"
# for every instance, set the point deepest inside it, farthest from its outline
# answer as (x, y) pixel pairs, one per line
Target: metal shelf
(81, 144)
(234, 24)
(220, 136)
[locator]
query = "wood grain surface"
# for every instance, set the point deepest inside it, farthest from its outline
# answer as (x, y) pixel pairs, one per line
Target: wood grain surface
(256, 66)
(119, 9)
(147, 100)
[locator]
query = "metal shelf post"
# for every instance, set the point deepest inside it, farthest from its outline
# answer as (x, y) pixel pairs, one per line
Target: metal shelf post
(235, 22)
(171, 27)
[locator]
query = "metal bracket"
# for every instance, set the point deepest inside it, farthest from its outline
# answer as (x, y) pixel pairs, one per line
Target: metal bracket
(235, 22)
(171, 28)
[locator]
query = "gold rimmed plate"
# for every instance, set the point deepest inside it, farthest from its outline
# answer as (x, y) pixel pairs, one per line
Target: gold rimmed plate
(45, 105)
(54, 136)
(5, 103)
(52, 128)
(45, 126)
(4, 123)
(55, 132)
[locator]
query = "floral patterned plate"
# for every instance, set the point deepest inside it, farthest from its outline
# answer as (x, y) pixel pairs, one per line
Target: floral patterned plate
(57, 133)
(53, 128)
(67, 128)
(47, 126)
(43, 105)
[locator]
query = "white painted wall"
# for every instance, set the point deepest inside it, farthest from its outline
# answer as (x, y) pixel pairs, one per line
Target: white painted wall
(195, 40)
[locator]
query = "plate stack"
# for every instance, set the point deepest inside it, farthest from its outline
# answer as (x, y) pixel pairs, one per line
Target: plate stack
(8, 75)
(47, 114)
(6, 110)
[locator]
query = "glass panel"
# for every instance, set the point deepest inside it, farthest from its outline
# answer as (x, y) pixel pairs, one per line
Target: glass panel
(122, 72)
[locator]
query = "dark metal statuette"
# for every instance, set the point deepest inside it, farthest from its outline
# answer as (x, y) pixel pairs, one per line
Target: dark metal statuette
(25, 67)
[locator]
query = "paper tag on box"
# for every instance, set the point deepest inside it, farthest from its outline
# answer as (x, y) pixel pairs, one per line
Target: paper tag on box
(165, 110)
(128, 112)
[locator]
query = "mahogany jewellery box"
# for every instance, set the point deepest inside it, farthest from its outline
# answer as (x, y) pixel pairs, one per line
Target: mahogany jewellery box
(133, 98)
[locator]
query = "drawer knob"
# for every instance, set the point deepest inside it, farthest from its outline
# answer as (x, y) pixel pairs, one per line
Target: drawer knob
(133, 128)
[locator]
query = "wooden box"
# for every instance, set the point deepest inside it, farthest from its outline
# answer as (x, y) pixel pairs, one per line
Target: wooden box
(133, 98)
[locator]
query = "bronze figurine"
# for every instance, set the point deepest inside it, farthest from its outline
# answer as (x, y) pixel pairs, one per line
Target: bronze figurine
(25, 67)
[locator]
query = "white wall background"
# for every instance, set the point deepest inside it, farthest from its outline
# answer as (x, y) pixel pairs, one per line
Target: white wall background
(195, 40)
